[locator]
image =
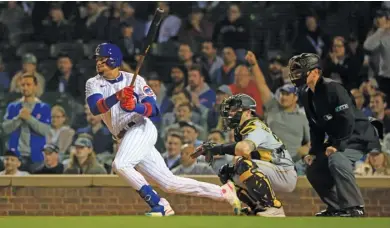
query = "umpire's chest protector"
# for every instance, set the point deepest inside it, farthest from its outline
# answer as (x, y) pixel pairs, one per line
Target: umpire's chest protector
(319, 107)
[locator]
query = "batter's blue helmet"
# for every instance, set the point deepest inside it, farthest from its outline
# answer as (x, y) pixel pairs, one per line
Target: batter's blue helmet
(112, 52)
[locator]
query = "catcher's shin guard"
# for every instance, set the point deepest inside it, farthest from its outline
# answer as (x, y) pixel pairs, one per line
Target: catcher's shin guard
(254, 205)
(257, 184)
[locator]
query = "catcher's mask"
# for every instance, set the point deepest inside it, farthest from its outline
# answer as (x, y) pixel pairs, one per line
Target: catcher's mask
(232, 108)
(300, 65)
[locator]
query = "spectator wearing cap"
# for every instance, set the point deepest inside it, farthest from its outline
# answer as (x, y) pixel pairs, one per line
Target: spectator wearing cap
(84, 161)
(190, 133)
(378, 107)
(169, 26)
(60, 133)
(4, 77)
(182, 112)
(173, 143)
(210, 60)
(234, 31)
(202, 96)
(195, 28)
(12, 164)
(189, 166)
(29, 62)
(378, 42)
(283, 115)
(212, 115)
(339, 66)
(67, 79)
(278, 73)
(101, 136)
(56, 29)
(243, 83)
(27, 124)
(52, 163)
(225, 74)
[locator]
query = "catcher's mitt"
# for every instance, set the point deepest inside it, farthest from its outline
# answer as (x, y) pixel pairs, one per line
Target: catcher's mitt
(205, 150)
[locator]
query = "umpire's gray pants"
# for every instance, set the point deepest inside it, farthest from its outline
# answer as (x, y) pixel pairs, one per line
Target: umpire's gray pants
(333, 179)
(282, 178)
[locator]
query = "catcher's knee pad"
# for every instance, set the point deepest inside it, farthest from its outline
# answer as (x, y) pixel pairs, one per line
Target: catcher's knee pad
(257, 184)
(226, 173)
(245, 197)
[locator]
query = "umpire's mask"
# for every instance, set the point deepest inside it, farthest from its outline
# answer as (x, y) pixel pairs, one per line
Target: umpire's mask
(300, 65)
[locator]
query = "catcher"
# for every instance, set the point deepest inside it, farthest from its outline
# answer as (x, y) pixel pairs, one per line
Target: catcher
(262, 164)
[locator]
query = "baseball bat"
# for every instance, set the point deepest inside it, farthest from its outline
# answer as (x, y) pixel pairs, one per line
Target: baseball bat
(149, 41)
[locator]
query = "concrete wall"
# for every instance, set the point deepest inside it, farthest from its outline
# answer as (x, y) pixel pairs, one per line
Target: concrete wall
(109, 195)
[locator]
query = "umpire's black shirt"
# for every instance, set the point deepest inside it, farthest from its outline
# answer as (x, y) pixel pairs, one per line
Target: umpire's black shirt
(331, 110)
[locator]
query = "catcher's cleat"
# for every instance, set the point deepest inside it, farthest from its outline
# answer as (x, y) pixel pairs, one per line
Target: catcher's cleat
(230, 194)
(160, 211)
(272, 212)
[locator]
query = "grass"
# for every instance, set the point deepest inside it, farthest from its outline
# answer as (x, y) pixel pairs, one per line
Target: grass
(190, 222)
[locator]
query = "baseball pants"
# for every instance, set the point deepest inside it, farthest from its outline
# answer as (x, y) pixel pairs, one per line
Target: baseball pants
(334, 181)
(137, 158)
(282, 179)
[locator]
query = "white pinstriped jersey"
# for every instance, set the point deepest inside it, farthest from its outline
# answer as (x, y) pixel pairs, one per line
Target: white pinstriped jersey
(116, 119)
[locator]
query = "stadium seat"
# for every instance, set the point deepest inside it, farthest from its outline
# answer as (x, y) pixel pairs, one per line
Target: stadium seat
(13, 67)
(86, 65)
(47, 68)
(166, 49)
(39, 49)
(74, 50)
(89, 48)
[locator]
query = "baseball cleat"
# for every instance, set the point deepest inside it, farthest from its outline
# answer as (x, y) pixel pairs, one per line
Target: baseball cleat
(272, 212)
(328, 213)
(229, 192)
(160, 211)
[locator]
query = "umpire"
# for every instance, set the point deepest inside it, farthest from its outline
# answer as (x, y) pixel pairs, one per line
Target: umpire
(331, 112)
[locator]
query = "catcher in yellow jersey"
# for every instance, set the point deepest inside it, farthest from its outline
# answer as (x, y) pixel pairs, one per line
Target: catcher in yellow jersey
(262, 164)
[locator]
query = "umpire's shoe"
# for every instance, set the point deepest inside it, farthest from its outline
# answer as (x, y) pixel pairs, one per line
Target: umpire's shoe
(354, 212)
(329, 213)
(160, 211)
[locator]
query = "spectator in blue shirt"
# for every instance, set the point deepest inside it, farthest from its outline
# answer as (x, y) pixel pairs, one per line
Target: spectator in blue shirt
(27, 123)
(203, 97)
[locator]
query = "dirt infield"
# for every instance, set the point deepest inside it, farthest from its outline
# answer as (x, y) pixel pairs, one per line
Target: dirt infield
(109, 195)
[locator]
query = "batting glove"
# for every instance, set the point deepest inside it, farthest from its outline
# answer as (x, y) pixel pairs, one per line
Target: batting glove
(128, 104)
(125, 93)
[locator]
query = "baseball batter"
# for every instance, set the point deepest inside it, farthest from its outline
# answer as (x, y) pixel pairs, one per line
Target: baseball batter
(263, 163)
(126, 111)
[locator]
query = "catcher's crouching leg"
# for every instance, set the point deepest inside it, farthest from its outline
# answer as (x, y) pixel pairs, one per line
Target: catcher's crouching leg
(226, 173)
(257, 184)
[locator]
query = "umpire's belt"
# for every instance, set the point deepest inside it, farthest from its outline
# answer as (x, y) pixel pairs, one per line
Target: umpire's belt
(124, 130)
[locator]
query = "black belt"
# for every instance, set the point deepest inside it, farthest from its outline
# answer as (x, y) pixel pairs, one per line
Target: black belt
(124, 130)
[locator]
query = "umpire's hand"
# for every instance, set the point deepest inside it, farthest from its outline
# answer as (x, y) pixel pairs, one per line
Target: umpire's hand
(330, 150)
(308, 159)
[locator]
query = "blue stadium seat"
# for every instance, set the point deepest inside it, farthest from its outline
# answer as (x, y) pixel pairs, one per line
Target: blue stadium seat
(89, 48)
(74, 50)
(86, 65)
(47, 68)
(39, 49)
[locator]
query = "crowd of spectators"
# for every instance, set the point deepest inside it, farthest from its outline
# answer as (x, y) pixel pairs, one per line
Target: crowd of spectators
(200, 56)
